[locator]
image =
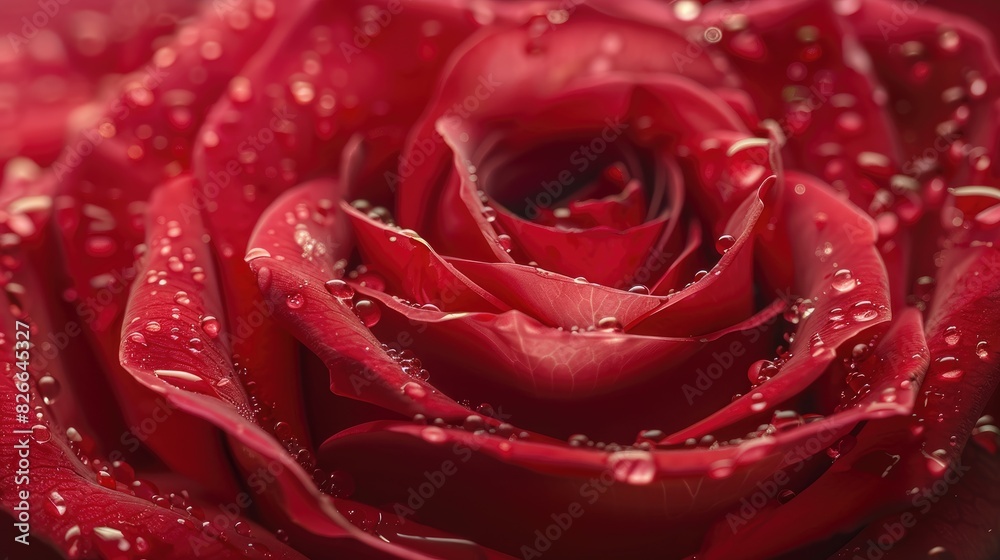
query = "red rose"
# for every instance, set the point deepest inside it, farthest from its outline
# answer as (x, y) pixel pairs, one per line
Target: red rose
(432, 279)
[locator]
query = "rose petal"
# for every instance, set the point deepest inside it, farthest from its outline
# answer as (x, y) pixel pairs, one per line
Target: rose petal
(502, 92)
(414, 270)
(294, 276)
(203, 383)
(843, 304)
(960, 523)
(81, 512)
(941, 73)
(855, 484)
(55, 68)
(556, 300)
(691, 486)
(556, 391)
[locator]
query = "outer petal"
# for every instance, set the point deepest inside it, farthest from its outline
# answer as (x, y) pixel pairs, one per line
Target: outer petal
(942, 74)
(103, 195)
(855, 485)
(171, 347)
(961, 523)
(85, 507)
(52, 70)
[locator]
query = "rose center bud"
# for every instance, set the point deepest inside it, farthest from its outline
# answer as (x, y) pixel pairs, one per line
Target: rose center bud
(591, 180)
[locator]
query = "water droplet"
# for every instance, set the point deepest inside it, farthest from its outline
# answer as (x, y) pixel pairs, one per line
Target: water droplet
(100, 246)
(256, 253)
(639, 289)
(40, 433)
(73, 435)
(339, 289)
(687, 10)
(816, 345)
(242, 528)
(784, 420)
(414, 390)
(937, 462)
(791, 315)
(888, 395)
(489, 213)
(181, 298)
(473, 422)
(850, 122)
(760, 371)
(982, 350)
(940, 553)
(821, 219)
(56, 504)
(610, 324)
(105, 479)
(864, 311)
(303, 92)
(211, 50)
(978, 87)
(48, 388)
(843, 281)
(240, 89)
(198, 274)
(185, 380)
(721, 469)
(632, 466)
(433, 434)
(368, 311)
(505, 242)
(952, 335)
(724, 243)
(211, 326)
(173, 229)
(949, 365)
(294, 301)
